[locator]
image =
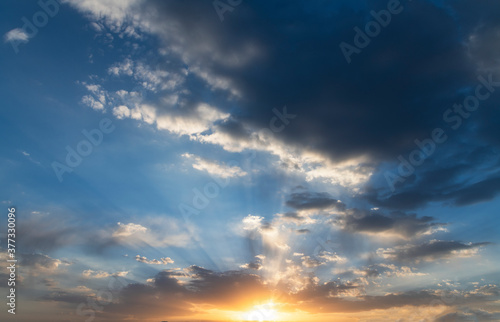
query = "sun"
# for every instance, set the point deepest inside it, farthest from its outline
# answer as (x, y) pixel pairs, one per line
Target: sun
(261, 313)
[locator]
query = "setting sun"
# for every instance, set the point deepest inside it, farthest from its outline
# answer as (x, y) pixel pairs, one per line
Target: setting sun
(265, 312)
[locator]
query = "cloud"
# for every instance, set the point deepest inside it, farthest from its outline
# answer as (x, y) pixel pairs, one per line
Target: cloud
(195, 290)
(462, 178)
(322, 259)
(155, 232)
(101, 274)
(251, 222)
(167, 296)
(254, 265)
(121, 112)
(341, 123)
(180, 123)
(397, 223)
(151, 79)
(17, 35)
(433, 250)
(292, 216)
(42, 263)
(44, 232)
(126, 230)
(312, 166)
(161, 261)
(191, 123)
(469, 315)
(482, 43)
(214, 168)
(313, 200)
(73, 297)
(309, 262)
(116, 14)
(330, 257)
(403, 271)
(93, 103)
(341, 139)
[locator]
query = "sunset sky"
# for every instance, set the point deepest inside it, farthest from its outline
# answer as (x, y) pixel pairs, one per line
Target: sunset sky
(236, 160)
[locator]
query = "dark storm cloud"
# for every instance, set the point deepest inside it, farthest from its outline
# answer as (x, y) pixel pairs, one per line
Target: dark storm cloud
(313, 200)
(434, 249)
(274, 54)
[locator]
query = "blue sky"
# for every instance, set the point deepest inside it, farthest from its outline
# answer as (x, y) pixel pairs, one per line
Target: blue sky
(249, 168)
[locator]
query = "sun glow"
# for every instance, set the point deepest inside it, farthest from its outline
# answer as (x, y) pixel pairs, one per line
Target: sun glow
(261, 313)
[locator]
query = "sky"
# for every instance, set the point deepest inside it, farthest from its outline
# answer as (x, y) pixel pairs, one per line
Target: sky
(237, 160)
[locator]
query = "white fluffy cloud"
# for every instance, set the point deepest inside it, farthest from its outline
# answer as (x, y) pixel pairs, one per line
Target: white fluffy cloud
(121, 112)
(201, 120)
(126, 230)
(117, 14)
(17, 34)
